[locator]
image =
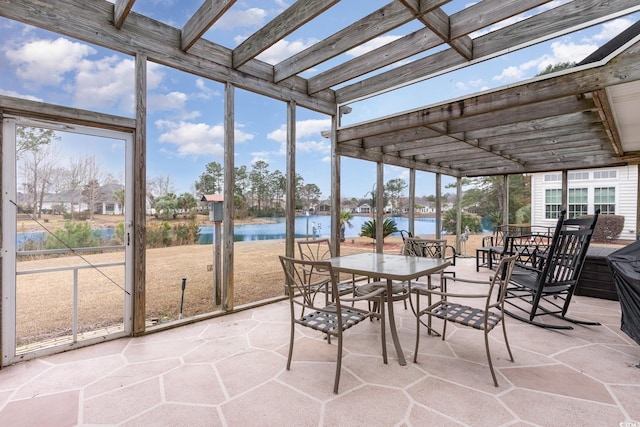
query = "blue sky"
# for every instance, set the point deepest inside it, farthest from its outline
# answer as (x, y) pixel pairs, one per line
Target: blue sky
(185, 119)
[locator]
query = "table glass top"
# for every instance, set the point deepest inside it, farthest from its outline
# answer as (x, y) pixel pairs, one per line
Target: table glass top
(398, 267)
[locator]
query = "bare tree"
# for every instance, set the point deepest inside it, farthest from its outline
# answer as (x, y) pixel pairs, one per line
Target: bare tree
(38, 166)
(91, 191)
(157, 187)
(75, 177)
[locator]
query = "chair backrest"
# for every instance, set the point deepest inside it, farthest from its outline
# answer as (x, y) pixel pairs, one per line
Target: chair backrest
(501, 278)
(428, 248)
(562, 263)
(314, 250)
(297, 271)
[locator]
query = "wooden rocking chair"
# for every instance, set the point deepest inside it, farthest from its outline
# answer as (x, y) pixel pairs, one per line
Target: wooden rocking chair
(544, 286)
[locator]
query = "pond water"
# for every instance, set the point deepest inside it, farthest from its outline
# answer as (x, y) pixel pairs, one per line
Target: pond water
(312, 226)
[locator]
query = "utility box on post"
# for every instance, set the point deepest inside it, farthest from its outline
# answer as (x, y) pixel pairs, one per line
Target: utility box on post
(216, 204)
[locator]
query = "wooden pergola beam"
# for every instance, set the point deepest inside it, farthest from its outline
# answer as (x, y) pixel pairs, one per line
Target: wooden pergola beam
(121, 9)
(379, 22)
(162, 44)
(544, 26)
(208, 13)
(296, 15)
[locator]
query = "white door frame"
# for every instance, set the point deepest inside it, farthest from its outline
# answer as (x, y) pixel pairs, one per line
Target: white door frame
(9, 231)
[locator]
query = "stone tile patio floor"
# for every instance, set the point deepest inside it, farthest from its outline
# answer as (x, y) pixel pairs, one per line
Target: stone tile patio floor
(230, 371)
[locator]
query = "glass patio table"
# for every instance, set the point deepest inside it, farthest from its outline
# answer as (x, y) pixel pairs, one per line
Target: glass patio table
(389, 267)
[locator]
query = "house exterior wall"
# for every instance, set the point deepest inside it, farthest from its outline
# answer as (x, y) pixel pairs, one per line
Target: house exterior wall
(625, 183)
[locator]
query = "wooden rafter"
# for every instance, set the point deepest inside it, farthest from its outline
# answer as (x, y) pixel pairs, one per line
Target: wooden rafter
(208, 13)
(544, 26)
(379, 22)
(121, 10)
(298, 14)
(608, 120)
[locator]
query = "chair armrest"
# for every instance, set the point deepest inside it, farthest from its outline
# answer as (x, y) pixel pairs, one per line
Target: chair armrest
(454, 294)
(465, 280)
(453, 254)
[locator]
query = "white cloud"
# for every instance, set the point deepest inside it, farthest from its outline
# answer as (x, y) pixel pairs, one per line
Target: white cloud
(105, 82)
(515, 19)
(304, 129)
(469, 85)
(45, 62)
(372, 45)
(167, 101)
(308, 138)
(284, 49)
(561, 51)
(510, 74)
(318, 146)
(197, 138)
(253, 17)
(259, 156)
(205, 91)
(612, 28)
(19, 95)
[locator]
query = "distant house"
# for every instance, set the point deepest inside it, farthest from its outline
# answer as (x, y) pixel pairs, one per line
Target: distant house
(363, 209)
(324, 207)
(348, 207)
(73, 200)
(612, 190)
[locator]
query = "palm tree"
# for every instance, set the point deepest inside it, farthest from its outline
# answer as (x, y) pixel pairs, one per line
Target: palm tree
(344, 220)
(368, 229)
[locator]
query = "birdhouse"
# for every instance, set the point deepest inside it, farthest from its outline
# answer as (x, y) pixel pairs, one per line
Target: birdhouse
(216, 203)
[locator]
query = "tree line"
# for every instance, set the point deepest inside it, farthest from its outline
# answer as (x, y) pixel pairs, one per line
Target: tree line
(258, 191)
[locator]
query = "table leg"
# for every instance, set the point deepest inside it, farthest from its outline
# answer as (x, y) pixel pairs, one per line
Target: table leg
(392, 323)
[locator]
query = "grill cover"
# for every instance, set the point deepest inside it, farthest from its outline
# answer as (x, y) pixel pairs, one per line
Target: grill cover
(625, 266)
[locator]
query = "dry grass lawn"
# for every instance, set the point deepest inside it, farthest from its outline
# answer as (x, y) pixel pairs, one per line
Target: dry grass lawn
(45, 300)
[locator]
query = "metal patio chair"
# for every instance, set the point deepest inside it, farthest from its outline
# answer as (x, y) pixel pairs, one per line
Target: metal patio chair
(454, 307)
(332, 318)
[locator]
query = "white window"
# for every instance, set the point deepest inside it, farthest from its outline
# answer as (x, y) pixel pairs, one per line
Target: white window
(552, 203)
(577, 176)
(605, 174)
(604, 198)
(552, 177)
(578, 202)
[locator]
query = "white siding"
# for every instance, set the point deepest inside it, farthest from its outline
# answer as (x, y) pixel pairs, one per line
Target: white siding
(626, 185)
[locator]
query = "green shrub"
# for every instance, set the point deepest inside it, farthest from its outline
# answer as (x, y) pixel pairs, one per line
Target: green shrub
(118, 234)
(450, 218)
(186, 233)
(75, 235)
(158, 234)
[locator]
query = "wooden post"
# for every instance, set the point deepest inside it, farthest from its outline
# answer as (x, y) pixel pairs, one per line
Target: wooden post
(438, 206)
(290, 203)
(565, 192)
(379, 208)
(139, 197)
(229, 205)
(335, 189)
(412, 200)
(458, 213)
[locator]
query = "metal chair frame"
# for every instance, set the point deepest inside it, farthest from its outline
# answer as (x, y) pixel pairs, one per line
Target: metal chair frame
(331, 319)
(485, 318)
